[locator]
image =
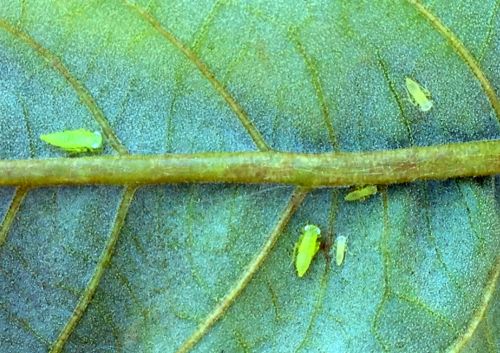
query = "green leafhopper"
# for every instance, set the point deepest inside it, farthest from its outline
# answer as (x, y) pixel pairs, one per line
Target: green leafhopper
(306, 248)
(341, 249)
(418, 95)
(361, 194)
(74, 141)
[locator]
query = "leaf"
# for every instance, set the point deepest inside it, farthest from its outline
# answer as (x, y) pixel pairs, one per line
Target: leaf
(208, 266)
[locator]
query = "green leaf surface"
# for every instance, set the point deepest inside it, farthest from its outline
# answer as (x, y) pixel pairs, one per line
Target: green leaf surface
(207, 268)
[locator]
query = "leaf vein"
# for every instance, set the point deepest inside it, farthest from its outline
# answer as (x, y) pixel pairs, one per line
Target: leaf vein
(206, 72)
(489, 293)
(247, 276)
(318, 87)
(386, 293)
(81, 91)
(18, 198)
(101, 266)
(463, 52)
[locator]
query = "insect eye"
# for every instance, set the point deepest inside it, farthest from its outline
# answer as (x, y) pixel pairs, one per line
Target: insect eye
(98, 142)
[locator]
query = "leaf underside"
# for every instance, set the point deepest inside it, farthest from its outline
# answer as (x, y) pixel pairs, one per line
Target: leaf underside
(421, 271)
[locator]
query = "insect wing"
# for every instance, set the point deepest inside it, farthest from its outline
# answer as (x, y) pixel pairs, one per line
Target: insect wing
(361, 193)
(418, 94)
(307, 247)
(80, 140)
(341, 248)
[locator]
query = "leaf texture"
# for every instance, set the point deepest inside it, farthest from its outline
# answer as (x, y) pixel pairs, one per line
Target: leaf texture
(207, 268)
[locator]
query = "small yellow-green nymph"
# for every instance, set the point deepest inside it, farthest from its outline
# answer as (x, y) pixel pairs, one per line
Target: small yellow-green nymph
(306, 248)
(341, 248)
(361, 194)
(75, 141)
(418, 95)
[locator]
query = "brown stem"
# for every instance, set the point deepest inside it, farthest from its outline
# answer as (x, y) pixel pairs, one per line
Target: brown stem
(310, 170)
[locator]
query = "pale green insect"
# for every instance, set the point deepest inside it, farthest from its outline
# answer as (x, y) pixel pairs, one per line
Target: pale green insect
(418, 95)
(75, 141)
(341, 249)
(306, 248)
(361, 194)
